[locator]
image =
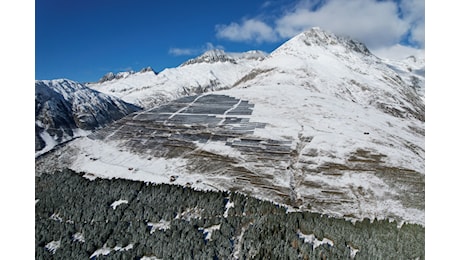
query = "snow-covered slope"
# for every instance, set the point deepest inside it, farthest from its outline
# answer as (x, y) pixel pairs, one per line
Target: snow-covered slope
(411, 70)
(214, 70)
(124, 74)
(65, 109)
(343, 68)
(320, 124)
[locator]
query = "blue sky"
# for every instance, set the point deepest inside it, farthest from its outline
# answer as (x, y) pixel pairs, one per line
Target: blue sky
(82, 40)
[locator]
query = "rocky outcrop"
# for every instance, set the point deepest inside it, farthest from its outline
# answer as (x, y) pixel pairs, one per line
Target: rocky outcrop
(111, 76)
(147, 69)
(317, 36)
(211, 56)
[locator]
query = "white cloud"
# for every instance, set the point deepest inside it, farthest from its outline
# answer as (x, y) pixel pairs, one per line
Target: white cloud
(194, 51)
(418, 33)
(209, 46)
(267, 4)
(398, 52)
(248, 30)
(413, 11)
(182, 51)
(376, 23)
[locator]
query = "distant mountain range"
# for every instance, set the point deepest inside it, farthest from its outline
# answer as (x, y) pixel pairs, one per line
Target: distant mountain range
(213, 70)
(319, 124)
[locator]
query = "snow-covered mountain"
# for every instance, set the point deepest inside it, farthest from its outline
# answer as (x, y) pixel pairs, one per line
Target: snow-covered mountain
(325, 63)
(111, 76)
(213, 70)
(320, 124)
(65, 109)
(412, 71)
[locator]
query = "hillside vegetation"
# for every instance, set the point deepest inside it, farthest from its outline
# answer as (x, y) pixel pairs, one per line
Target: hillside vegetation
(77, 218)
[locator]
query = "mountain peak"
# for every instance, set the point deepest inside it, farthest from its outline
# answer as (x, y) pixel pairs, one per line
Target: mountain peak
(316, 36)
(218, 55)
(111, 76)
(214, 53)
(211, 56)
(123, 74)
(147, 69)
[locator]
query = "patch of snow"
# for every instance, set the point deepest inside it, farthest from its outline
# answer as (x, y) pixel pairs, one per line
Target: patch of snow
(90, 176)
(53, 246)
(126, 248)
(105, 250)
(228, 206)
(150, 258)
(208, 231)
(190, 213)
(311, 239)
(56, 217)
(239, 241)
(49, 141)
(79, 237)
(115, 204)
(353, 251)
(162, 225)
(113, 163)
(220, 148)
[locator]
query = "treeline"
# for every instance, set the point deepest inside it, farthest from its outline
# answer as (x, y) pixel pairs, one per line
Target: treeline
(174, 222)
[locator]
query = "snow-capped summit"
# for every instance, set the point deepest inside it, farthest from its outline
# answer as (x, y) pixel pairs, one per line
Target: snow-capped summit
(318, 40)
(319, 37)
(217, 55)
(211, 56)
(147, 69)
(111, 76)
(124, 74)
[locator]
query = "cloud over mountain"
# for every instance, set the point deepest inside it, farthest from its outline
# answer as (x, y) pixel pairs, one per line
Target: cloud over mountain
(248, 30)
(377, 23)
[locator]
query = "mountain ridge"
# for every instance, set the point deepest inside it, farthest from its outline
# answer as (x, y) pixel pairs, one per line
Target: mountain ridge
(211, 65)
(213, 70)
